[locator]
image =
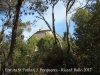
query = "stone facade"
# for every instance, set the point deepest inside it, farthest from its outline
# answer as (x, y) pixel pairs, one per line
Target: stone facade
(42, 33)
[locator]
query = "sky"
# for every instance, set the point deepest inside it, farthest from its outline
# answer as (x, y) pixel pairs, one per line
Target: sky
(60, 20)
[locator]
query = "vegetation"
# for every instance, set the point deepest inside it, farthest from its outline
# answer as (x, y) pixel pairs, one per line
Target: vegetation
(74, 56)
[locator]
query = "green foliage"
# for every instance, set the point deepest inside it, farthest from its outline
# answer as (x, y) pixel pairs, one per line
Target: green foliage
(49, 56)
(46, 43)
(23, 55)
(87, 33)
(20, 53)
(85, 47)
(81, 17)
(31, 44)
(4, 49)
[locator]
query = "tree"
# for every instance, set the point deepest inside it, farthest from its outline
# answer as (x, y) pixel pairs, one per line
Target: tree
(52, 57)
(53, 3)
(6, 10)
(68, 5)
(1, 35)
(15, 28)
(40, 7)
(8, 62)
(87, 34)
(47, 43)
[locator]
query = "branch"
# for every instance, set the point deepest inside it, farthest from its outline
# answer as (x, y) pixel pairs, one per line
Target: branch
(39, 17)
(80, 7)
(55, 2)
(44, 20)
(69, 6)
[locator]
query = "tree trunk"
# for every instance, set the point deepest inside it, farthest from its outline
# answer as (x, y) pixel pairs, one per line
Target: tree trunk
(8, 62)
(68, 7)
(44, 20)
(53, 31)
(1, 38)
(2, 34)
(53, 25)
(67, 33)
